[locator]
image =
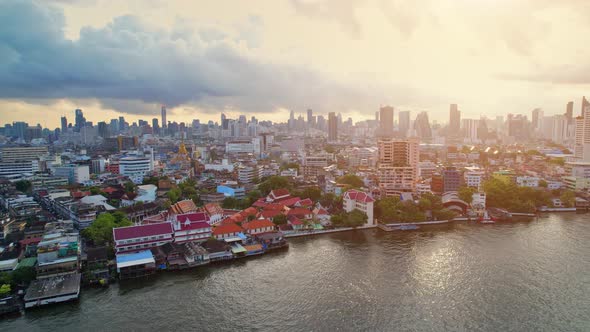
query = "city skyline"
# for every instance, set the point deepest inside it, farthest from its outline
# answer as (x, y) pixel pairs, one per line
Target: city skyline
(492, 70)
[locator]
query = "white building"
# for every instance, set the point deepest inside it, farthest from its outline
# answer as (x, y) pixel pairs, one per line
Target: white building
(473, 178)
(74, 173)
(527, 181)
(135, 168)
(358, 200)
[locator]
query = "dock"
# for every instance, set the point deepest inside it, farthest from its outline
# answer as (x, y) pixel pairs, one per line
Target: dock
(53, 290)
(327, 231)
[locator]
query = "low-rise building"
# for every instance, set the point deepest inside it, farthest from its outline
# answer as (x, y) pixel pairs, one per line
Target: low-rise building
(142, 237)
(358, 200)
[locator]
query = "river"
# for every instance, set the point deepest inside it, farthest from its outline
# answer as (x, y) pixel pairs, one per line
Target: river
(522, 276)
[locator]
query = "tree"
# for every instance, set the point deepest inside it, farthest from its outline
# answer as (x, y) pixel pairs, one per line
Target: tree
(466, 194)
(5, 289)
(129, 187)
(229, 203)
(272, 183)
(24, 275)
(286, 166)
(568, 198)
(353, 218)
(101, 230)
(352, 180)
(386, 209)
(329, 149)
(313, 193)
(23, 185)
(543, 184)
(174, 195)
(280, 219)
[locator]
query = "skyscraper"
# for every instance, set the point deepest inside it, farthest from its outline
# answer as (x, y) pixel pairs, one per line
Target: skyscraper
(310, 121)
(80, 120)
(454, 120)
(569, 112)
(398, 165)
(582, 136)
(164, 123)
(537, 115)
(332, 127)
(422, 126)
(155, 126)
(404, 123)
(470, 130)
(585, 103)
(386, 121)
(121, 123)
(64, 124)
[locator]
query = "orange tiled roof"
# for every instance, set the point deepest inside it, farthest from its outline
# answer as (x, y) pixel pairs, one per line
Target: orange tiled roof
(226, 229)
(259, 223)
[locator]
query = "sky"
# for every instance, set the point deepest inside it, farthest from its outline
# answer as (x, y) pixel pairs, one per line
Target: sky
(264, 58)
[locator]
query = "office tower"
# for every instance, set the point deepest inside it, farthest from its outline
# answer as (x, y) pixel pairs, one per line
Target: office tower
(454, 120)
(310, 121)
(164, 123)
(482, 129)
(103, 129)
(518, 126)
(155, 125)
(569, 112)
(560, 129)
(386, 121)
(121, 124)
(332, 127)
(582, 136)
(404, 123)
(585, 103)
(422, 126)
(80, 120)
(470, 130)
(377, 116)
(397, 165)
(451, 179)
(537, 115)
(64, 124)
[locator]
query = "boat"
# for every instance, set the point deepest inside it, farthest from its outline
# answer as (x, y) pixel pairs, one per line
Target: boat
(487, 219)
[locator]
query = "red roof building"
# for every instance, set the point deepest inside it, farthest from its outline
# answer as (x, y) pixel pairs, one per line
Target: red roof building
(278, 194)
(226, 231)
(138, 238)
(259, 226)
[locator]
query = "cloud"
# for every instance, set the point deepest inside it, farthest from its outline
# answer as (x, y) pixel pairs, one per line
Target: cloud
(565, 74)
(131, 66)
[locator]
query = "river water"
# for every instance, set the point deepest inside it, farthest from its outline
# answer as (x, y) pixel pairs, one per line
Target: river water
(523, 276)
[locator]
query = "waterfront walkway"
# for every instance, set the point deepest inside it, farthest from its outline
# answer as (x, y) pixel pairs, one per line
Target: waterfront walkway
(326, 231)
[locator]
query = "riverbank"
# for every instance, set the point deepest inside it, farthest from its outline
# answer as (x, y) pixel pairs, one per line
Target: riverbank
(360, 281)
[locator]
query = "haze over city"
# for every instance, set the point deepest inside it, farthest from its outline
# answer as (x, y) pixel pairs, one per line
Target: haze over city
(264, 58)
(294, 165)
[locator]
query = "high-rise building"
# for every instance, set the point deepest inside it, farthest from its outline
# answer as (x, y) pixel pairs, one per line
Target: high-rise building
(569, 112)
(397, 165)
(582, 136)
(470, 130)
(454, 120)
(422, 126)
(518, 126)
(103, 130)
(386, 121)
(80, 120)
(64, 124)
(537, 115)
(121, 124)
(585, 103)
(404, 123)
(163, 111)
(310, 119)
(155, 126)
(332, 127)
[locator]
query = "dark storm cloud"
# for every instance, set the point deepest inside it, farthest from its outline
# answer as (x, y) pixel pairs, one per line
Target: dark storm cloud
(130, 66)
